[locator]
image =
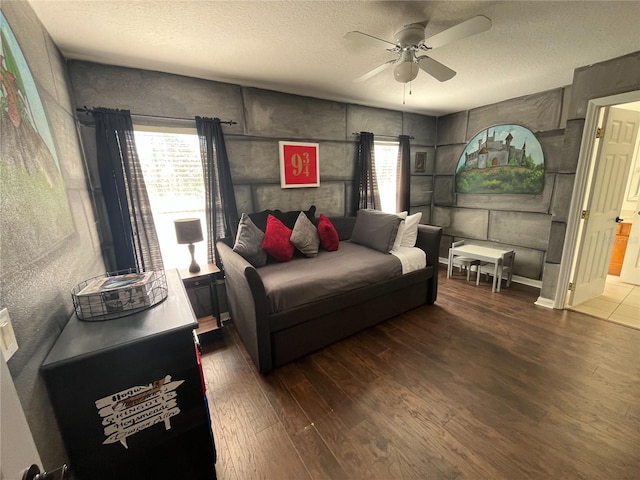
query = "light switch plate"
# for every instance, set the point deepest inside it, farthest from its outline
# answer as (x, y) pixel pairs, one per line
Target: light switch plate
(8, 340)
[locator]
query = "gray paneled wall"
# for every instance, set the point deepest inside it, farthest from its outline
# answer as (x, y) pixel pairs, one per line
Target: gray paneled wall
(263, 118)
(521, 222)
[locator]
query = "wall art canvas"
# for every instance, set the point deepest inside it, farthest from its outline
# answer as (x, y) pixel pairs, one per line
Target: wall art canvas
(34, 210)
(420, 165)
(299, 165)
(501, 159)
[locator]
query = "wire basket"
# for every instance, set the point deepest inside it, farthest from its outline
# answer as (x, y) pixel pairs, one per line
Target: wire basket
(118, 294)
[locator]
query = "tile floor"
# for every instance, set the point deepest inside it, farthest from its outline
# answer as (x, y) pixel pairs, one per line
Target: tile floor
(620, 303)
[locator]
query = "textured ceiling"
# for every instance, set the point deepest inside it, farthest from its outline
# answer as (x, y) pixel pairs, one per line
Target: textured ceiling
(298, 46)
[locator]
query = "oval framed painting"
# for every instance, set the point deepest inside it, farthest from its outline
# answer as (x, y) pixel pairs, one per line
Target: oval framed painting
(503, 159)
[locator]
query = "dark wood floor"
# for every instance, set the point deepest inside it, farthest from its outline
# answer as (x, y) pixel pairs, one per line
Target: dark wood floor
(477, 386)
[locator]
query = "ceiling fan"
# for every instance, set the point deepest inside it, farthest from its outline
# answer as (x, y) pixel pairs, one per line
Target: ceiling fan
(410, 40)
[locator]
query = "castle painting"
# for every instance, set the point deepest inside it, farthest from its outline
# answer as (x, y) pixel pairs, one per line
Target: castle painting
(501, 159)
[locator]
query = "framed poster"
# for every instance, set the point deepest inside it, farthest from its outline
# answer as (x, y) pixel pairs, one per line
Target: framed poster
(421, 162)
(299, 165)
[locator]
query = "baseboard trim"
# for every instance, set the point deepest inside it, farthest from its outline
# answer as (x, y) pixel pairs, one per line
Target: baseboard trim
(527, 281)
(544, 302)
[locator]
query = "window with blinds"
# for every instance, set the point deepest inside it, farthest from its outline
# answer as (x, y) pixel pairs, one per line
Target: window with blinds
(172, 170)
(386, 162)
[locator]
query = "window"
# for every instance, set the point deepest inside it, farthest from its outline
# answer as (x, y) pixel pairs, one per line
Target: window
(386, 161)
(172, 170)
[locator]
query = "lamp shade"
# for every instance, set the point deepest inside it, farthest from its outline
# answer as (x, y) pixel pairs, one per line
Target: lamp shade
(188, 230)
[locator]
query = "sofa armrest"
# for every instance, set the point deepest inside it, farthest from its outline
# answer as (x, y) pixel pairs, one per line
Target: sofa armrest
(247, 304)
(429, 237)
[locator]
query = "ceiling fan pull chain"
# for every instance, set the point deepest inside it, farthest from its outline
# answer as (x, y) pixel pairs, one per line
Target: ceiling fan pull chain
(404, 89)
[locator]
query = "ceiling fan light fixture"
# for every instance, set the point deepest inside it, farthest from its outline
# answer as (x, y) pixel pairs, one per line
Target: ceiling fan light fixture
(405, 72)
(411, 40)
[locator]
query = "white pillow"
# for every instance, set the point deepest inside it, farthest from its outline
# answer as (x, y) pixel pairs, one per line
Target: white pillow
(398, 240)
(410, 231)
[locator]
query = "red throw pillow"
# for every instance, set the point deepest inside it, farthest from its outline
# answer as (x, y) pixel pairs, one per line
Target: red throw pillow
(277, 240)
(329, 238)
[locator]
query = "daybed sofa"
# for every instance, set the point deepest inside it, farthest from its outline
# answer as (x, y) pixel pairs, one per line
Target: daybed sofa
(277, 331)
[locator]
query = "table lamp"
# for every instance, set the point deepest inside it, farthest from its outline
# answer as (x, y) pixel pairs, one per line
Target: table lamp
(189, 231)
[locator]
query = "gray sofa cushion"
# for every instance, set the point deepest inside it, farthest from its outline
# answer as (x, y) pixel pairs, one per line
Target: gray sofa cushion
(249, 242)
(305, 236)
(375, 229)
(305, 280)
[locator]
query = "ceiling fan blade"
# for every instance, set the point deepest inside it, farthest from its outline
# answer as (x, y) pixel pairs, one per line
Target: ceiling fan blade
(435, 69)
(375, 71)
(368, 40)
(465, 29)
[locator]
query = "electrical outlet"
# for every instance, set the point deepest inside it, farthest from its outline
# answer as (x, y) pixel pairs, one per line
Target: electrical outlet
(8, 340)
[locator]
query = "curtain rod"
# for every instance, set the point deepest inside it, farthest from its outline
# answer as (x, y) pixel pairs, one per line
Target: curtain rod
(383, 136)
(90, 110)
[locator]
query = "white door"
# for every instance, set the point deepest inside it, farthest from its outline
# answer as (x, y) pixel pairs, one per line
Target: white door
(630, 272)
(611, 169)
(17, 448)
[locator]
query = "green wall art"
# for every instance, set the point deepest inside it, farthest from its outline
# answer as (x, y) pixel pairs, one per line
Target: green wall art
(34, 210)
(501, 159)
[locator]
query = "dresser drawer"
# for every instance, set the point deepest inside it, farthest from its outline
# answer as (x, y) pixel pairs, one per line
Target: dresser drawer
(204, 281)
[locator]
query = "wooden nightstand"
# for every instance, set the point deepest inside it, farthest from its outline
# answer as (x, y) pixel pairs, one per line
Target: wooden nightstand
(197, 285)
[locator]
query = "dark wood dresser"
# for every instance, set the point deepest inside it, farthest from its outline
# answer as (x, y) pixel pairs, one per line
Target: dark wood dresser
(129, 394)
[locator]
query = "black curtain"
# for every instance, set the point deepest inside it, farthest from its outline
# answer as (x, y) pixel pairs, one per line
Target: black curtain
(403, 176)
(367, 185)
(221, 211)
(132, 229)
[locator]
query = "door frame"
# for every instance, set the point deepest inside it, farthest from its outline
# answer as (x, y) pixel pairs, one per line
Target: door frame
(19, 454)
(586, 159)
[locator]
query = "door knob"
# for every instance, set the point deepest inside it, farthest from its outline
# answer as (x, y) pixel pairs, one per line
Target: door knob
(618, 219)
(33, 473)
